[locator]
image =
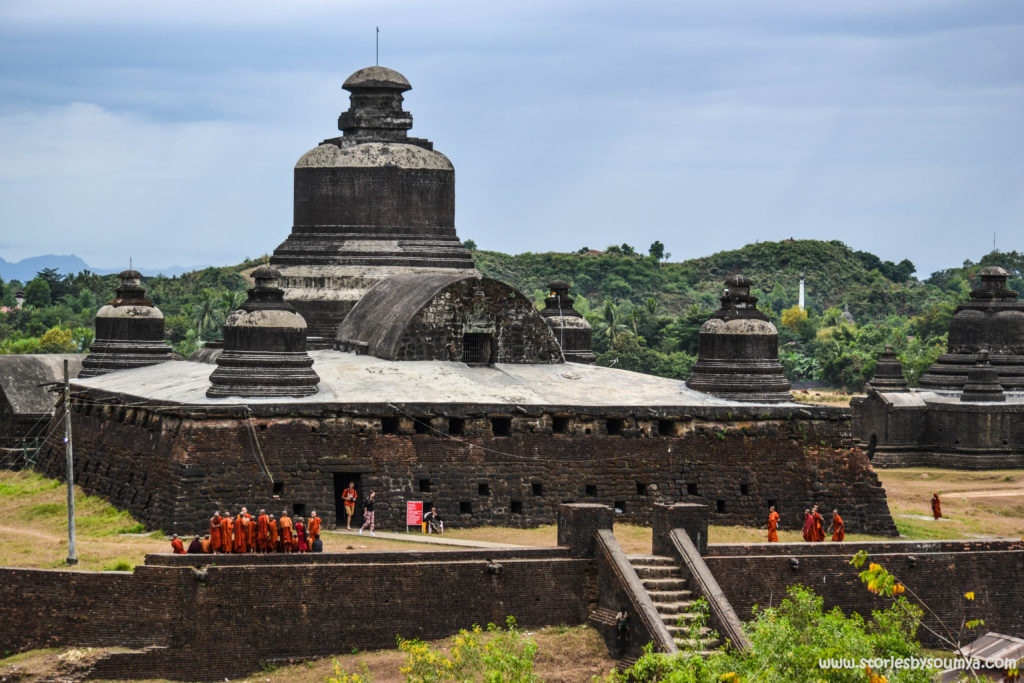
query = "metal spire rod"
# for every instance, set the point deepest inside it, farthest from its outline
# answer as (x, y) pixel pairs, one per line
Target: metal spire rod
(378, 46)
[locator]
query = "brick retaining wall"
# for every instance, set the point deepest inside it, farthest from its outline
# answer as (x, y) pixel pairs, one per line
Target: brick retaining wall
(939, 572)
(219, 621)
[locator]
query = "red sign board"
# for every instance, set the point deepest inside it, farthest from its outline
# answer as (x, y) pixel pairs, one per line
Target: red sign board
(413, 512)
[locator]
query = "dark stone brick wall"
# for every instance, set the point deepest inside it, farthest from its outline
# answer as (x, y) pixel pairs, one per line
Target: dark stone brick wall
(956, 435)
(940, 573)
(172, 470)
(55, 608)
(223, 621)
(408, 202)
(519, 334)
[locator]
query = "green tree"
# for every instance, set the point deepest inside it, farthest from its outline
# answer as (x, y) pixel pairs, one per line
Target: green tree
(37, 293)
(57, 340)
(787, 642)
(657, 250)
(206, 310)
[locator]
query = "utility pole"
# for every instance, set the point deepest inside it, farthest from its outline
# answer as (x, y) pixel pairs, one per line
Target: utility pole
(72, 551)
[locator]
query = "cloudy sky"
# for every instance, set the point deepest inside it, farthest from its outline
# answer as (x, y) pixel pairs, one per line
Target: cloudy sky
(167, 131)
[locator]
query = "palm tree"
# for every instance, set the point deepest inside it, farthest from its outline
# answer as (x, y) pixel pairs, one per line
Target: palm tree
(610, 322)
(229, 302)
(206, 309)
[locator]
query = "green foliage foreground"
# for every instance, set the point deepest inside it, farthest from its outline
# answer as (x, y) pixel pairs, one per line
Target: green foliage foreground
(496, 655)
(788, 641)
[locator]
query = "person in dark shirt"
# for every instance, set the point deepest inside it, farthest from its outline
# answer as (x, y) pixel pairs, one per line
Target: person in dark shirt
(318, 545)
(433, 521)
(195, 547)
(368, 513)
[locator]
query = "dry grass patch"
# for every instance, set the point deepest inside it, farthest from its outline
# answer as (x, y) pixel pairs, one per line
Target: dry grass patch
(564, 655)
(830, 397)
(975, 504)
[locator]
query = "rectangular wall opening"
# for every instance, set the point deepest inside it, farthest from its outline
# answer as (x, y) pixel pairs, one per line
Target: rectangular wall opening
(516, 506)
(456, 426)
(560, 425)
(477, 348)
(614, 426)
(501, 426)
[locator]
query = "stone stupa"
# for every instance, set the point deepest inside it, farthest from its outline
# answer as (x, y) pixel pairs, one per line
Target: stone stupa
(738, 351)
(369, 204)
(129, 331)
(993, 322)
(571, 330)
(264, 347)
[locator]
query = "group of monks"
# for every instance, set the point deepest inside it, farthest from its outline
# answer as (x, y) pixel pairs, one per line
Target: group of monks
(814, 526)
(261, 534)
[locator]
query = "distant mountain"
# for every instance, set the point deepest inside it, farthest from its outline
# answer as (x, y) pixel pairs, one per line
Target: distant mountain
(26, 269)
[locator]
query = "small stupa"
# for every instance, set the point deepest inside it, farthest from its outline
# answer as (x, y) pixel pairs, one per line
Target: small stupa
(982, 384)
(888, 373)
(571, 330)
(129, 331)
(264, 347)
(738, 351)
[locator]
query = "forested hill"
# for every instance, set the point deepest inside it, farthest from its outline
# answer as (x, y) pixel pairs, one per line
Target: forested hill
(834, 275)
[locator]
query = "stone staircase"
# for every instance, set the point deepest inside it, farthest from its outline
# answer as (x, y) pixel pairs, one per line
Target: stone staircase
(674, 600)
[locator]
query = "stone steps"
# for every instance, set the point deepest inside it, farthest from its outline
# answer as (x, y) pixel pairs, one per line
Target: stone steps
(674, 600)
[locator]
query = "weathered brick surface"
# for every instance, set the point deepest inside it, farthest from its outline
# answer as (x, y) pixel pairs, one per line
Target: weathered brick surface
(171, 470)
(940, 573)
(221, 621)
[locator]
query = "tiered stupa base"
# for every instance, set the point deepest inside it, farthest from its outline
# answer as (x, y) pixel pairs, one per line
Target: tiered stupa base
(257, 374)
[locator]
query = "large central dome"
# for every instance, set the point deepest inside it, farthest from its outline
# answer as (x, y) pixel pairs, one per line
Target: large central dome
(371, 203)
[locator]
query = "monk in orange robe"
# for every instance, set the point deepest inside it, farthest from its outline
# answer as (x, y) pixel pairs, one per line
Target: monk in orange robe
(215, 541)
(241, 533)
(808, 526)
(936, 506)
(250, 536)
(207, 545)
(272, 531)
(773, 525)
(313, 527)
(225, 533)
(262, 532)
(819, 525)
(177, 546)
(837, 528)
(287, 531)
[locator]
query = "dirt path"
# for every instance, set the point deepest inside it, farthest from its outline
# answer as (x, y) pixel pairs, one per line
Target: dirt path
(985, 494)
